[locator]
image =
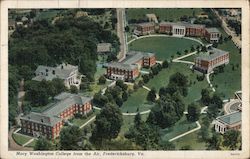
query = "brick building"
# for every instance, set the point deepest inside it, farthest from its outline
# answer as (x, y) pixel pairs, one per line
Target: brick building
(128, 69)
(144, 28)
(49, 122)
(206, 62)
(227, 122)
(182, 29)
(212, 35)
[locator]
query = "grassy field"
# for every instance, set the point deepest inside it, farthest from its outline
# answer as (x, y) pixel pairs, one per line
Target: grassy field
(230, 80)
(163, 47)
(195, 88)
(166, 14)
(180, 127)
(193, 140)
(79, 122)
(47, 14)
(128, 121)
(136, 100)
(32, 144)
(20, 139)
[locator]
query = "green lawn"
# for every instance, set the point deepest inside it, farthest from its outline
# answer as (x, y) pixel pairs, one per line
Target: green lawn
(230, 80)
(137, 100)
(163, 47)
(166, 14)
(47, 14)
(180, 127)
(32, 144)
(128, 121)
(195, 88)
(193, 140)
(20, 139)
(79, 122)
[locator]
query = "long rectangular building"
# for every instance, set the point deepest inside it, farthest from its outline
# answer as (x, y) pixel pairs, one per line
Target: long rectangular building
(49, 122)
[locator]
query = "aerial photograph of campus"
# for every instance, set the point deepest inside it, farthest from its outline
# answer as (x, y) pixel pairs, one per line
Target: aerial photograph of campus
(125, 79)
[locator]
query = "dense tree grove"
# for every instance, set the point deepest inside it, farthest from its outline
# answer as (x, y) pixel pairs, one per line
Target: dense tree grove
(193, 112)
(43, 144)
(70, 39)
(107, 124)
(38, 93)
(115, 95)
(69, 138)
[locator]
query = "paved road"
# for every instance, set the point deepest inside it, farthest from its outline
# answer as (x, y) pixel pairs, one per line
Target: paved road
(13, 145)
(121, 33)
(235, 38)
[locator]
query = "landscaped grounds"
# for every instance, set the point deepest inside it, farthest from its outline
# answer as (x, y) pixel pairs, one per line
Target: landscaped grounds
(163, 47)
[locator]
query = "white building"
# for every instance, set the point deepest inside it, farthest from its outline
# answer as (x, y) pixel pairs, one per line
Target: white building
(179, 30)
(66, 72)
(226, 122)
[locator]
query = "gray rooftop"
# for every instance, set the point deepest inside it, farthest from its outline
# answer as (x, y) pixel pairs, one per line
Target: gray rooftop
(62, 71)
(212, 30)
(186, 24)
(146, 24)
(121, 66)
(64, 101)
(211, 54)
(134, 56)
(232, 118)
(42, 118)
(103, 47)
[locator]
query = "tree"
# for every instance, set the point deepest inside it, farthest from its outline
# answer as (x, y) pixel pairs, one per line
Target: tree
(217, 101)
(166, 145)
(165, 64)
(231, 139)
(180, 81)
(119, 101)
(151, 95)
(124, 96)
(127, 28)
(69, 138)
(145, 78)
(215, 142)
(193, 112)
(121, 84)
(205, 96)
(102, 80)
(137, 120)
(203, 49)
(108, 124)
(43, 144)
(73, 89)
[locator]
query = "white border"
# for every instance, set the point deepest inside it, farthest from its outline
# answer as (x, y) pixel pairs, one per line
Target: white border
(244, 4)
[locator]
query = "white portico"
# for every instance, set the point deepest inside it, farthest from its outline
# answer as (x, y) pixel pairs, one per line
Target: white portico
(179, 30)
(66, 72)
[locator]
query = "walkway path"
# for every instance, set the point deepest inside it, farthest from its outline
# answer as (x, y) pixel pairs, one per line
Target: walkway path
(178, 59)
(164, 35)
(133, 114)
(31, 140)
(89, 121)
(186, 133)
(209, 82)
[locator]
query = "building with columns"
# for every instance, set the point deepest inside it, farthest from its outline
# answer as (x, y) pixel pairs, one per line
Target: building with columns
(49, 122)
(179, 30)
(66, 72)
(227, 122)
